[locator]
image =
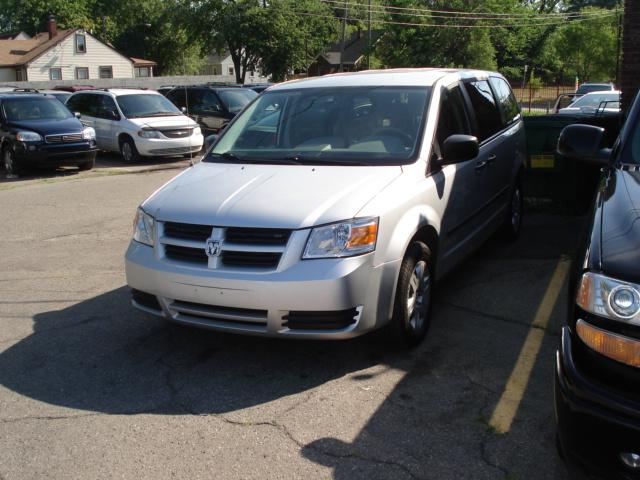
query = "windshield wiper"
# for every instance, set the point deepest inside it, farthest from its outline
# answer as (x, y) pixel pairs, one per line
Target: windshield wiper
(157, 114)
(300, 160)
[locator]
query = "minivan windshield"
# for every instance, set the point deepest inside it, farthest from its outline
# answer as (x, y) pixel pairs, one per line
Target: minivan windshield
(139, 105)
(236, 100)
(370, 125)
(35, 108)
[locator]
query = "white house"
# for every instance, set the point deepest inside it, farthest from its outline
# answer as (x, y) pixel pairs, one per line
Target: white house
(72, 54)
(222, 64)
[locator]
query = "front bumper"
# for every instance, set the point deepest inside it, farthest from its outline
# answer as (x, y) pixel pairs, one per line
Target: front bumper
(169, 146)
(595, 424)
(55, 155)
(263, 303)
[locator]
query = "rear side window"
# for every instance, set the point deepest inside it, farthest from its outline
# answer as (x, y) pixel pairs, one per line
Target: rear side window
(178, 97)
(485, 107)
(78, 103)
(506, 100)
(452, 118)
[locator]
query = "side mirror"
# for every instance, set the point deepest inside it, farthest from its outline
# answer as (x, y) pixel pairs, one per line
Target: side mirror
(210, 140)
(459, 148)
(76, 114)
(113, 115)
(584, 143)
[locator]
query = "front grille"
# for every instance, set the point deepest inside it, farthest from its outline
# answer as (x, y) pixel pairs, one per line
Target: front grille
(186, 254)
(64, 138)
(177, 132)
(174, 151)
(307, 320)
(227, 314)
(250, 259)
(187, 231)
(145, 299)
(240, 247)
(257, 236)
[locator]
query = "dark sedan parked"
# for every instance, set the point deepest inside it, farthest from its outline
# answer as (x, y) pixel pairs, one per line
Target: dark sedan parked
(598, 361)
(38, 130)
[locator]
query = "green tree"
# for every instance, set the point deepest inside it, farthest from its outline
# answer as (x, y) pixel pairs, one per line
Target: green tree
(31, 15)
(587, 48)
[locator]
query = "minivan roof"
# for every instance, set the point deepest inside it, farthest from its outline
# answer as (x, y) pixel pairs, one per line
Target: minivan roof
(424, 77)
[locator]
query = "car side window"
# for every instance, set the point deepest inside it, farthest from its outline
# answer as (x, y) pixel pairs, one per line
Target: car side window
(488, 119)
(195, 100)
(211, 102)
(452, 118)
(77, 103)
(105, 106)
(178, 97)
(506, 100)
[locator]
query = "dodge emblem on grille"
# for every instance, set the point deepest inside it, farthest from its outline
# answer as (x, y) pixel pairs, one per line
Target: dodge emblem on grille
(213, 248)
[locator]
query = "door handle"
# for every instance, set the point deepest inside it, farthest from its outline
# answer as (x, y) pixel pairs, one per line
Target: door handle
(481, 165)
(491, 159)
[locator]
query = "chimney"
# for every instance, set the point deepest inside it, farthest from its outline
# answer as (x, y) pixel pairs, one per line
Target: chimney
(52, 27)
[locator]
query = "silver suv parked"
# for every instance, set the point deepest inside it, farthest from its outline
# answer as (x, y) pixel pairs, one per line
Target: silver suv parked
(329, 206)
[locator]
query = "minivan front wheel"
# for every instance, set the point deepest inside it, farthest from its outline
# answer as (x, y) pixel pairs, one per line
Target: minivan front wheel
(412, 307)
(129, 151)
(513, 221)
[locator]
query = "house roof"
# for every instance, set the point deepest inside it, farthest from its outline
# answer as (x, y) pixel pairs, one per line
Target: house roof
(141, 62)
(354, 48)
(18, 52)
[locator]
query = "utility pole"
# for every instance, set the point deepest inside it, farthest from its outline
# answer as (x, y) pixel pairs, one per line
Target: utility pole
(344, 33)
(369, 42)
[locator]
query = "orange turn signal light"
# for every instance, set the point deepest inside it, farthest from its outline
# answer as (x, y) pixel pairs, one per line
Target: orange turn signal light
(363, 235)
(616, 347)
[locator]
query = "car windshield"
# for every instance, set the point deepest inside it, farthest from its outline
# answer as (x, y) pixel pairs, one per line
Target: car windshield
(236, 100)
(596, 100)
(62, 96)
(35, 108)
(138, 105)
(337, 125)
(593, 87)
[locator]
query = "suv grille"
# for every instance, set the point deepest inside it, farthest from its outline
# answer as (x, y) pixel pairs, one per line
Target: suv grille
(241, 248)
(64, 138)
(177, 132)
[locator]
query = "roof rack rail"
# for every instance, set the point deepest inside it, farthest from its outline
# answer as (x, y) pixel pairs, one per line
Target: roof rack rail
(26, 90)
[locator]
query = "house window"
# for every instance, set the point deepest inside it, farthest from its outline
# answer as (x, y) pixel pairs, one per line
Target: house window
(105, 72)
(143, 71)
(19, 77)
(55, 74)
(230, 70)
(82, 73)
(81, 43)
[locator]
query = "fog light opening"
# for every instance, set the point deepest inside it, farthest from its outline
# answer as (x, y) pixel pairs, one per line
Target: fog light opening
(631, 460)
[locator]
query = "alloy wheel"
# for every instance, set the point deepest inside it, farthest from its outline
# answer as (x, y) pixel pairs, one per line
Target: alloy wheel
(516, 209)
(127, 153)
(418, 296)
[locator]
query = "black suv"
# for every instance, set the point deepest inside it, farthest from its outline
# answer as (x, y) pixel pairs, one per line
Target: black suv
(597, 392)
(38, 130)
(211, 106)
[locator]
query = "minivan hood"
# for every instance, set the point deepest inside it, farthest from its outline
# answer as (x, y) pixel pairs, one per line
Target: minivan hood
(49, 127)
(620, 254)
(268, 196)
(177, 121)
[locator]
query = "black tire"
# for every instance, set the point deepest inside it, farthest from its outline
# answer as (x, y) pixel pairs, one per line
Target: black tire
(128, 150)
(10, 164)
(412, 305)
(88, 165)
(512, 225)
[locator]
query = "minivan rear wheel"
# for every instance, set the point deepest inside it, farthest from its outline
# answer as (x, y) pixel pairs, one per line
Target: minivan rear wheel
(513, 221)
(129, 151)
(412, 307)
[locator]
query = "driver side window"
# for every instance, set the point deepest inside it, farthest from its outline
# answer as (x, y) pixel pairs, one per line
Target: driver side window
(452, 118)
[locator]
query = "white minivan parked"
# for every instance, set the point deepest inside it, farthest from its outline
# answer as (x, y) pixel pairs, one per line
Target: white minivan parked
(136, 123)
(329, 206)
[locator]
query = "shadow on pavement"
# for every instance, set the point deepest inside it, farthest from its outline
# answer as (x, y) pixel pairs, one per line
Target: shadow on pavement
(102, 355)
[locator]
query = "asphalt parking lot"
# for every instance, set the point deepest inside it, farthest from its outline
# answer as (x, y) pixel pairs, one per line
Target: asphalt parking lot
(90, 388)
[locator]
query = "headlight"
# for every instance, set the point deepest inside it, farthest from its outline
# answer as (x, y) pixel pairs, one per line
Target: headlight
(609, 298)
(89, 133)
(344, 239)
(26, 136)
(144, 227)
(149, 133)
(197, 131)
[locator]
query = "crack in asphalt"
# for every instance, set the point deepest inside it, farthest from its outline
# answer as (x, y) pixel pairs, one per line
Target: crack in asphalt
(499, 318)
(485, 458)
(49, 417)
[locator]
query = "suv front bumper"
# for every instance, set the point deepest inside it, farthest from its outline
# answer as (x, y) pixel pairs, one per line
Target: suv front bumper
(54, 155)
(169, 146)
(311, 299)
(595, 424)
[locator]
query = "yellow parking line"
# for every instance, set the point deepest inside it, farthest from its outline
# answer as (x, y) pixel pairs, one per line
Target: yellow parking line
(509, 403)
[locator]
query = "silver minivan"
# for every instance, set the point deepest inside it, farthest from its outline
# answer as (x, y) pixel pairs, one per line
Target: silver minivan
(330, 206)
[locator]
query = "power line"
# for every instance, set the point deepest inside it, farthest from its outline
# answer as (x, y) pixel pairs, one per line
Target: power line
(449, 25)
(448, 13)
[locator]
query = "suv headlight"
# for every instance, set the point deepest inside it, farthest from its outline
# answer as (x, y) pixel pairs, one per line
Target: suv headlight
(343, 239)
(27, 136)
(149, 133)
(89, 133)
(144, 227)
(610, 298)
